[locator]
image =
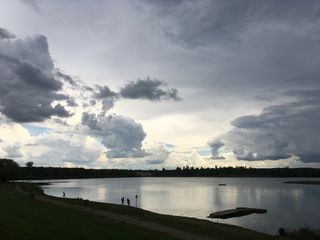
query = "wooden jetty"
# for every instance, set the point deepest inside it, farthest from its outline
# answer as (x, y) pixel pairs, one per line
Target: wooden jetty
(237, 212)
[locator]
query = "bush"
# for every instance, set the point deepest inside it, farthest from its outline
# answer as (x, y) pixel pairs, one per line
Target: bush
(303, 233)
(282, 232)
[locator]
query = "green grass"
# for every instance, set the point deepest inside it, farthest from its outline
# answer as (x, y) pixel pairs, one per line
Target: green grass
(303, 234)
(24, 217)
(192, 225)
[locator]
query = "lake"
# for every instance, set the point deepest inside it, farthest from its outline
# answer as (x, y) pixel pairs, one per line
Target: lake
(288, 205)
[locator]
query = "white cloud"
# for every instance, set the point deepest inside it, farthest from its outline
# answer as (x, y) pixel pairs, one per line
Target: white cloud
(50, 148)
(122, 136)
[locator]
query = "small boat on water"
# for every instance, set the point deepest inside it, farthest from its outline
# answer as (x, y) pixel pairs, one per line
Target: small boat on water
(237, 212)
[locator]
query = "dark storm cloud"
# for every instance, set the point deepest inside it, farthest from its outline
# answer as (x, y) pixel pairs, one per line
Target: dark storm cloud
(241, 48)
(103, 92)
(151, 89)
(60, 122)
(106, 96)
(280, 131)
(66, 78)
(31, 75)
(32, 4)
(199, 23)
(166, 3)
(5, 34)
(71, 102)
(215, 145)
(312, 94)
(28, 84)
(122, 136)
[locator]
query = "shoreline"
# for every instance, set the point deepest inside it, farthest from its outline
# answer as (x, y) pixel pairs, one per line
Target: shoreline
(262, 228)
(303, 182)
(189, 228)
(106, 177)
(106, 204)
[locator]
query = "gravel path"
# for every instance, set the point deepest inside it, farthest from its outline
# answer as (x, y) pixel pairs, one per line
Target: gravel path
(122, 218)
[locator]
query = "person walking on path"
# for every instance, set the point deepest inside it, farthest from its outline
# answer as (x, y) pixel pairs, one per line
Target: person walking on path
(64, 194)
(128, 201)
(122, 200)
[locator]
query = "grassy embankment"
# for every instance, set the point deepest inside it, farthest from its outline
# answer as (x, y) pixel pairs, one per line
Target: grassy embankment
(24, 216)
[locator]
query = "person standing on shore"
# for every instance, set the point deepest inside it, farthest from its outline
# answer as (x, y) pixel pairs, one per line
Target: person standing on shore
(128, 201)
(122, 200)
(136, 201)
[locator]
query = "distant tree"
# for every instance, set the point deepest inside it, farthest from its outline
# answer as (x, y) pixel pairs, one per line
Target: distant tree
(29, 164)
(8, 169)
(8, 163)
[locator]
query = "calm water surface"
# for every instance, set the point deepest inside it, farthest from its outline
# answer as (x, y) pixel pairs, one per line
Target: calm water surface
(288, 205)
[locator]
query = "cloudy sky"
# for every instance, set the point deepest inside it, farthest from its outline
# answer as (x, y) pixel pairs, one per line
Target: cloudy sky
(148, 84)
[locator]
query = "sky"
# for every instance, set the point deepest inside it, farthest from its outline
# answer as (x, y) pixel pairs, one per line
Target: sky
(146, 84)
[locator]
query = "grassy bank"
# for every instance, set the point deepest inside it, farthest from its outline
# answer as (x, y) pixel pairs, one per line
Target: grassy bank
(26, 216)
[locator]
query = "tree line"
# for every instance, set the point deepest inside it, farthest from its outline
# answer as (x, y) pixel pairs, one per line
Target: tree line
(10, 170)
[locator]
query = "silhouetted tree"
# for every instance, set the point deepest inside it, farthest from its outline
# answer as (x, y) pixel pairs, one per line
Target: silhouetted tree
(8, 169)
(29, 164)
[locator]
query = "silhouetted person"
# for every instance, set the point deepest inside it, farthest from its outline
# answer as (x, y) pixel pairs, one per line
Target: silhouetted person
(128, 201)
(136, 200)
(122, 200)
(64, 194)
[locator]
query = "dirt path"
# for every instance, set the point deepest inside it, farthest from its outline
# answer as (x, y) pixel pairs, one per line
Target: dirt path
(126, 219)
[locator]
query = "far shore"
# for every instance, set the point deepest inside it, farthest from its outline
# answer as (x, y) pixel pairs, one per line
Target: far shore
(304, 182)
